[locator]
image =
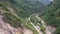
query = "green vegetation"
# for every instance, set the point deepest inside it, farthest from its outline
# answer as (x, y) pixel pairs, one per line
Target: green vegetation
(57, 30)
(16, 12)
(24, 8)
(52, 15)
(35, 20)
(13, 20)
(42, 28)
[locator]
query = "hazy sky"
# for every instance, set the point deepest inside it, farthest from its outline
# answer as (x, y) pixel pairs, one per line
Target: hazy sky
(46, 1)
(50, 0)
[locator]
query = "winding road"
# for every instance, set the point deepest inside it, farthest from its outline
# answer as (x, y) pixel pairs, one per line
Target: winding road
(36, 27)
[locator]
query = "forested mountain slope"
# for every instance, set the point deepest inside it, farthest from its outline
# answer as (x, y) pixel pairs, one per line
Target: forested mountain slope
(45, 2)
(52, 15)
(15, 12)
(24, 8)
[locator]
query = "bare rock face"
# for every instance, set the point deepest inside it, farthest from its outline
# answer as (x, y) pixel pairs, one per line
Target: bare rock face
(2, 31)
(27, 31)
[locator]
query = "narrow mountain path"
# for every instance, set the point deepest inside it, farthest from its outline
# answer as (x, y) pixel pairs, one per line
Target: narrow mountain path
(36, 27)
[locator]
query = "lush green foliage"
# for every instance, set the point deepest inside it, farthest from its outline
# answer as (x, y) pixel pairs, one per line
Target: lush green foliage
(13, 20)
(24, 8)
(52, 15)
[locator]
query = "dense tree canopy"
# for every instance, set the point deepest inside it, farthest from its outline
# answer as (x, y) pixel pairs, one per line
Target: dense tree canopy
(52, 15)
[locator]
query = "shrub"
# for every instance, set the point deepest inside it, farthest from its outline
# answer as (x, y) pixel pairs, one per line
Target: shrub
(42, 28)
